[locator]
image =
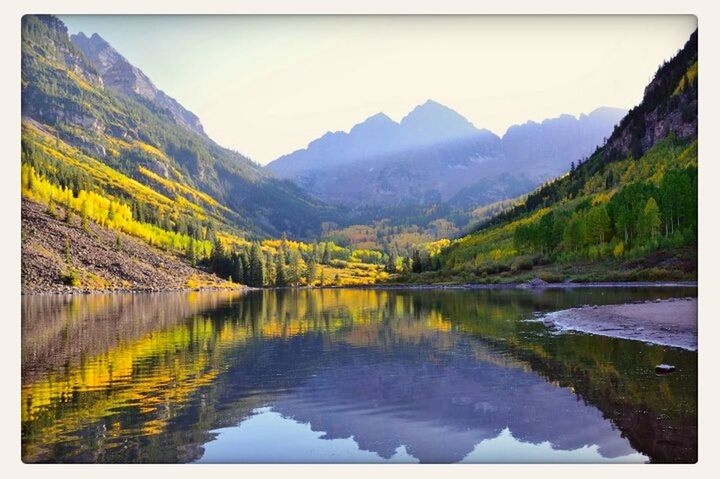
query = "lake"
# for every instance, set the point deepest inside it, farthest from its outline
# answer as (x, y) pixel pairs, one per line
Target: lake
(347, 375)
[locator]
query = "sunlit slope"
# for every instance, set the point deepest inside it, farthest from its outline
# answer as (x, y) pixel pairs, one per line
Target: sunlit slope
(67, 97)
(632, 205)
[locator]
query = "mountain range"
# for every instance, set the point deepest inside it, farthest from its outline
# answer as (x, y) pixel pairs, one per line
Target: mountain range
(434, 155)
(101, 142)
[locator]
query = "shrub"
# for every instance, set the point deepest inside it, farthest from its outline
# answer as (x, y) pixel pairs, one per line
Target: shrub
(521, 264)
(71, 277)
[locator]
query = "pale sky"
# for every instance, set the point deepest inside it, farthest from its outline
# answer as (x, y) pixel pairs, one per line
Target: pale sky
(268, 85)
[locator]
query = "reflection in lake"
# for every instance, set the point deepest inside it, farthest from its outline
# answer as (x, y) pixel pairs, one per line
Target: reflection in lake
(346, 376)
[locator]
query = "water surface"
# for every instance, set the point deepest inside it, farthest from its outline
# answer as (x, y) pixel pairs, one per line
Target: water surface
(347, 376)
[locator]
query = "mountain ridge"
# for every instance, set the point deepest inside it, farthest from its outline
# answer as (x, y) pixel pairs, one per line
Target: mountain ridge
(107, 118)
(117, 72)
(455, 154)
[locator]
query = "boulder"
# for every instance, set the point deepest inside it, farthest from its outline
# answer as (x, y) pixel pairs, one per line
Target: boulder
(537, 283)
(664, 368)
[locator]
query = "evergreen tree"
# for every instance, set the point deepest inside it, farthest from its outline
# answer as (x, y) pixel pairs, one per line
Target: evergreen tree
(310, 272)
(417, 266)
(190, 252)
(280, 273)
(67, 250)
(293, 269)
(391, 264)
(257, 267)
(245, 260)
(239, 275)
(285, 248)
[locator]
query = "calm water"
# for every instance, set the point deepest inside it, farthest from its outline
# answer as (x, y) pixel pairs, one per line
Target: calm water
(346, 376)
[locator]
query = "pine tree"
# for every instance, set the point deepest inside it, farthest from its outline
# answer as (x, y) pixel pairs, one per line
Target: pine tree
(257, 268)
(239, 275)
(67, 250)
(285, 248)
(245, 260)
(68, 214)
(417, 266)
(190, 253)
(391, 264)
(310, 272)
(280, 273)
(293, 270)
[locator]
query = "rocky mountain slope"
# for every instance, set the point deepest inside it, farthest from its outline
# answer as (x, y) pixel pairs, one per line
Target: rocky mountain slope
(89, 97)
(436, 155)
(127, 79)
(61, 256)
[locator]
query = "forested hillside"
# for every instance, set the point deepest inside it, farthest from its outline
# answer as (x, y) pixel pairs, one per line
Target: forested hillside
(629, 211)
(103, 147)
(110, 112)
(111, 163)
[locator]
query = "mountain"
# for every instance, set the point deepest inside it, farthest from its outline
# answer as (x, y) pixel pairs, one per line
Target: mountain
(119, 74)
(545, 149)
(434, 155)
(629, 212)
(89, 116)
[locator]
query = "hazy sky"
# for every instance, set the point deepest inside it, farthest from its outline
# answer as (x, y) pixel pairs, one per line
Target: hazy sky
(267, 85)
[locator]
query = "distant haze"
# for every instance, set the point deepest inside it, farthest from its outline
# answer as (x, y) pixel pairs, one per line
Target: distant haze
(268, 85)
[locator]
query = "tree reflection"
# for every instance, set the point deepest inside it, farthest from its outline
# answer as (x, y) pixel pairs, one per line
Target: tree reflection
(145, 378)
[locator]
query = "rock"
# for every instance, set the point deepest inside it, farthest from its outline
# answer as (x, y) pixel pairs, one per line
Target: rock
(537, 283)
(664, 369)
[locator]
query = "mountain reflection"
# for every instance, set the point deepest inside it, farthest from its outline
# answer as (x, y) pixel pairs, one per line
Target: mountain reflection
(440, 403)
(148, 378)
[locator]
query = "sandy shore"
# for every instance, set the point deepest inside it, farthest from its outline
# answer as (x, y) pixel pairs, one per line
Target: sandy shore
(671, 322)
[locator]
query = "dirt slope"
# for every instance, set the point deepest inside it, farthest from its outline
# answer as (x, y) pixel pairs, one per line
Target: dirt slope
(99, 260)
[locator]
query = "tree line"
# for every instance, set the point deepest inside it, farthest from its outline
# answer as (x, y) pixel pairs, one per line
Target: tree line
(636, 216)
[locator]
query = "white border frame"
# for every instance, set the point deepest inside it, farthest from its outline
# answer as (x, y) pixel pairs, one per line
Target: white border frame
(709, 38)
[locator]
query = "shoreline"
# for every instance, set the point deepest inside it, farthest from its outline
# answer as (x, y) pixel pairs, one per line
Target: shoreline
(671, 322)
(69, 290)
(534, 286)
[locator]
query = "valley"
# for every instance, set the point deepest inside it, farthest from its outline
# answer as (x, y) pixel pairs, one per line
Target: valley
(526, 290)
(590, 198)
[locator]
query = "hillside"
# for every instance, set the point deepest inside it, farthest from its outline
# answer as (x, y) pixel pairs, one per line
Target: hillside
(628, 212)
(435, 155)
(122, 188)
(86, 96)
(62, 256)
